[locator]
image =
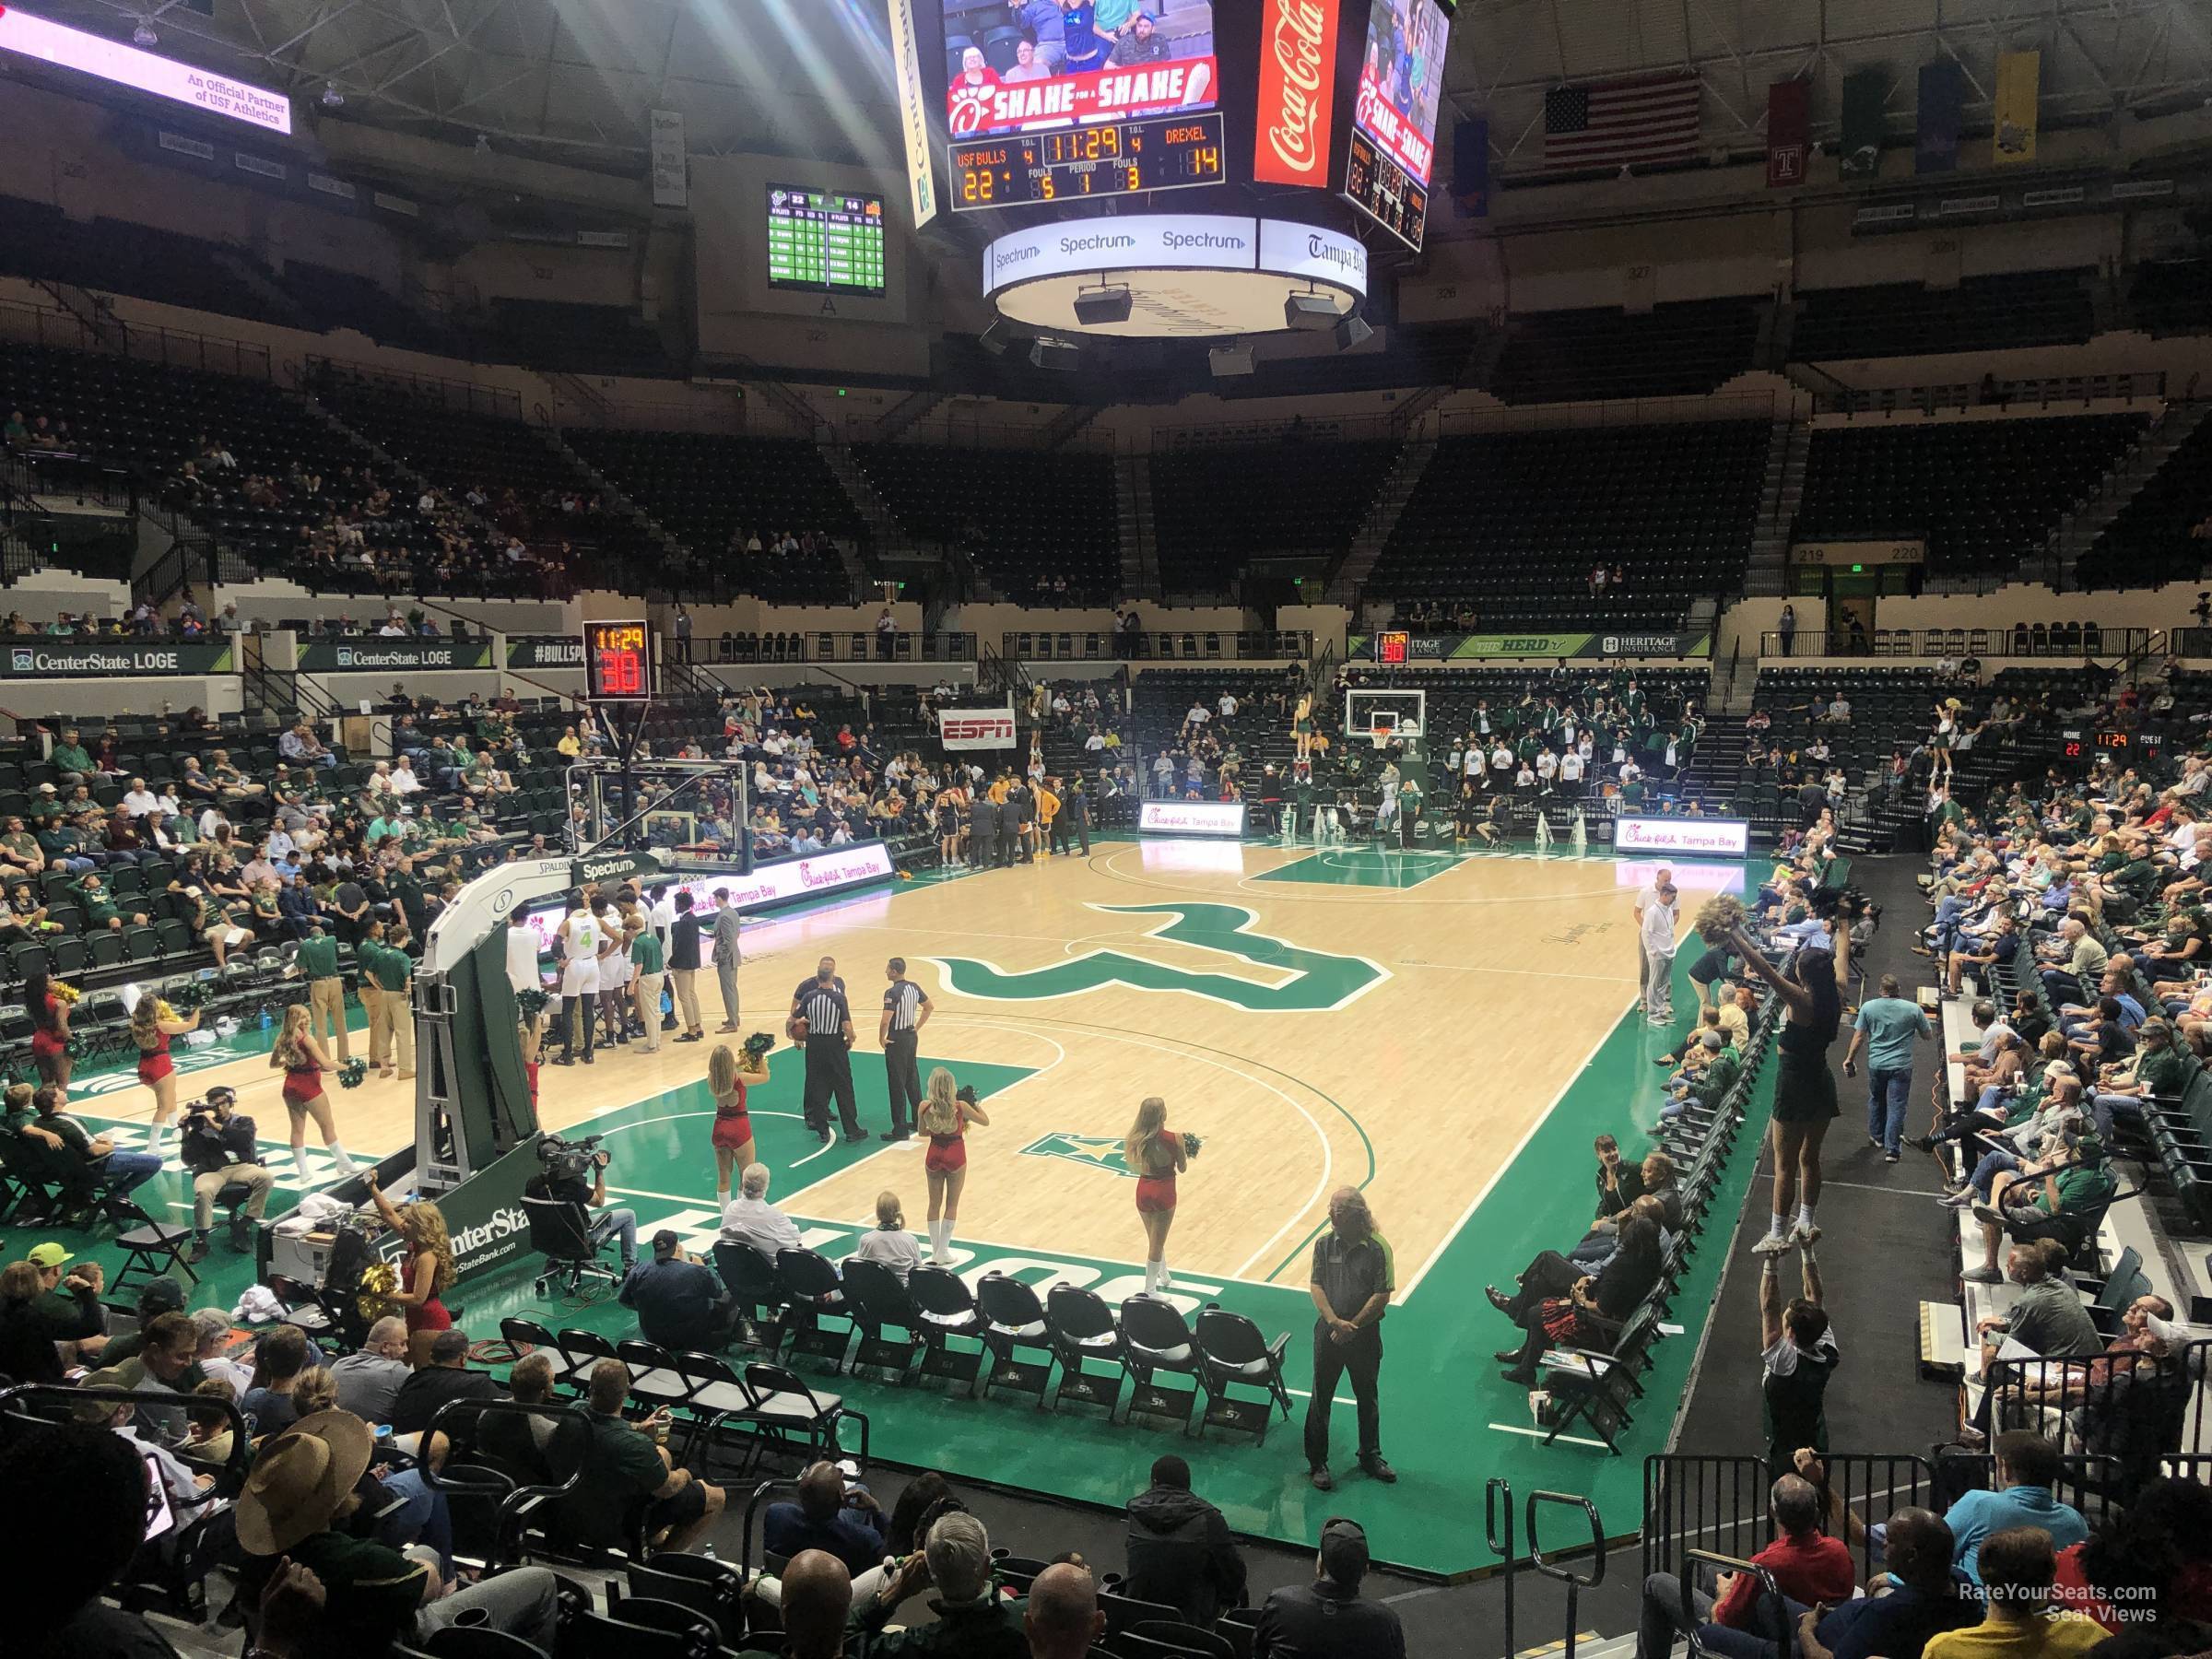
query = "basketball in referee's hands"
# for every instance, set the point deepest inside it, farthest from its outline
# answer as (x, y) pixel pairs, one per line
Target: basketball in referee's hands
(1719, 917)
(796, 1027)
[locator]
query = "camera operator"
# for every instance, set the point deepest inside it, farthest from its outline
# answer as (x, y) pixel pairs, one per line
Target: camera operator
(218, 1147)
(564, 1180)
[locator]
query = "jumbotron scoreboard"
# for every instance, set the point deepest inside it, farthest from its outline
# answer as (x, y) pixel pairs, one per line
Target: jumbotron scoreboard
(1052, 109)
(1110, 159)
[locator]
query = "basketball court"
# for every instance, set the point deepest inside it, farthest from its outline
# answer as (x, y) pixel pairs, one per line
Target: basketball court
(1445, 1033)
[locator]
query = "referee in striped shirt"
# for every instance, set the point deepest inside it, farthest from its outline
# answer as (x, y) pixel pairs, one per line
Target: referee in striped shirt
(906, 1010)
(820, 1002)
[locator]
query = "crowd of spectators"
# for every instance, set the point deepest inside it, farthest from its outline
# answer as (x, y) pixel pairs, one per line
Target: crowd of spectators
(303, 1477)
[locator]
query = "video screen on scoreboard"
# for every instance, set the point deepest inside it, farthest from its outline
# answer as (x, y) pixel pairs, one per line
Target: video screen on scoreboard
(824, 241)
(1034, 64)
(1401, 78)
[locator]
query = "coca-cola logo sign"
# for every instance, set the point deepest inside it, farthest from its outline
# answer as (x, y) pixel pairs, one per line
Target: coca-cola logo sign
(1297, 90)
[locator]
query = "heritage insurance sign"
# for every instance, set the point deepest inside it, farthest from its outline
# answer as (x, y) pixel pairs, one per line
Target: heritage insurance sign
(392, 657)
(40, 658)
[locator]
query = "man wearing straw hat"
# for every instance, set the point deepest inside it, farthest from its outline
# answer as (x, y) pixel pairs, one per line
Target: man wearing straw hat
(303, 1485)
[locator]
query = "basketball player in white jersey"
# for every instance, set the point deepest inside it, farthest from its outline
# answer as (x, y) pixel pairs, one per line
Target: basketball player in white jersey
(580, 939)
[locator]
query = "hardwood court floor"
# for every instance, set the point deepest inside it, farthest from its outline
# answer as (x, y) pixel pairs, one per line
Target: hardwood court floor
(1446, 1033)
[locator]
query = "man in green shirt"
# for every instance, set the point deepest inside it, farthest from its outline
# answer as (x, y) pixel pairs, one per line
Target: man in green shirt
(623, 1462)
(2160, 1066)
(318, 960)
(1885, 1032)
(2059, 1204)
(387, 975)
(973, 1621)
(72, 759)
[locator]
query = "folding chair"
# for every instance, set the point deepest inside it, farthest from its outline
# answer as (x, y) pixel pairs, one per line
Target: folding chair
(1082, 1331)
(1156, 1341)
(947, 1311)
(1231, 1350)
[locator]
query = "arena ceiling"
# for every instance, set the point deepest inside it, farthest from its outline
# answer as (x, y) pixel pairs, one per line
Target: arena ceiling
(576, 78)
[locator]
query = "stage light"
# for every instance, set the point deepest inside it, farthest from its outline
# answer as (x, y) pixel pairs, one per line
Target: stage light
(1352, 332)
(1056, 355)
(332, 98)
(1308, 311)
(1227, 362)
(144, 35)
(994, 338)
(1096, 308)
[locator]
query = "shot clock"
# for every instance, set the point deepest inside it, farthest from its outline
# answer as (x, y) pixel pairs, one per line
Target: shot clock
(617, 662)
(1109, 158)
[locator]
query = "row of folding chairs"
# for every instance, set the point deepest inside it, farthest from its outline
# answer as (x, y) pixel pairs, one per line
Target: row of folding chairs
(1005, 1337)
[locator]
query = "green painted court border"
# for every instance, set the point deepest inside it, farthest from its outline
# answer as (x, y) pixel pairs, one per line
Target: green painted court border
(1449, 1421)
(1315, 867)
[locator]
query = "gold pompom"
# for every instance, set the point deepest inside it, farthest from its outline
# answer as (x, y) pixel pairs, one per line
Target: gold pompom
(1719, 917)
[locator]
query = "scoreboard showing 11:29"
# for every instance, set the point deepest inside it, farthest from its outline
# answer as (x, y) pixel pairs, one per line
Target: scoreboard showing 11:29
(1113, 158)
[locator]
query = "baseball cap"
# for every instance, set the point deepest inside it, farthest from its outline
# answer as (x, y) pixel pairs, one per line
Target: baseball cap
(1711, 1040)
(49, 1255)
(1343, 1550)
(664, 1243)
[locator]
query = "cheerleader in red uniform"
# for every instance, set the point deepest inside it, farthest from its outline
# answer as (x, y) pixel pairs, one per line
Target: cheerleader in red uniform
(49, 1027)
(301, 1058)
(420, 1294)
(727, 1079)
(1155, 1153)
(152, 1025)
(944, 1117)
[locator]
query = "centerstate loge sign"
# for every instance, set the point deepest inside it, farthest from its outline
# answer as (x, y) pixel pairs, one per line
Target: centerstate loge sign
(97, 659)
(388, 656)
(976, 728)
(1690, 837)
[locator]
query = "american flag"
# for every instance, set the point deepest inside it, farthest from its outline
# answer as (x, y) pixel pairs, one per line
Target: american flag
(1610, 123)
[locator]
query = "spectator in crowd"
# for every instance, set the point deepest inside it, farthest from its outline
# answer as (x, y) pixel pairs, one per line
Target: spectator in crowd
(751, 1219)
(680, 1304)
(973, 1621)
(1886, 1028)
(1180, 1551)
(1328, 1618)
(832, 1515)
(1809, 1568)
(627, 1473)
(2017, 1619)
(369, 1382)
(298, 1503)
(1924, 1598)
(444, 1379)
(2020, 1496)
(1063, 1617)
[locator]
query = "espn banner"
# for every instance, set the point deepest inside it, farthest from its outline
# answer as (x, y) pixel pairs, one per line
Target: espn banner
(1466, 647)
(976, 728)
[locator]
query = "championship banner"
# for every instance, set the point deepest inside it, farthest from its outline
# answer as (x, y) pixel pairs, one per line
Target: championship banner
(671, 162)
(1298, 91)
(913, 113)
(393, 657)
(98, 659)
(976, 728)
(1942, 107)
(544, 650)
(1585, 646)
(1092, 96)
(1789, 128)
(2019, 85)
(1866, 91)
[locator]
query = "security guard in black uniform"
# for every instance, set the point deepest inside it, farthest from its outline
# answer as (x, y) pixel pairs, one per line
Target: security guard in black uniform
(822, 1019)
(1021, 808)
(1074, 819)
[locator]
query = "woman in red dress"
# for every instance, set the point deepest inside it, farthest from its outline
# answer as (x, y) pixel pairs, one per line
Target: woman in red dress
(727, 1079)
(49, 1027)
(302, 1060)
(944, 1117)
(429, 1269)
(1155, 1153)
(152, 1025)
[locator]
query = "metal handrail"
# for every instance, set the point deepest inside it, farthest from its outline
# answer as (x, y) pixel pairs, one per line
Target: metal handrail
(1576, 1584)
(1493, 1488)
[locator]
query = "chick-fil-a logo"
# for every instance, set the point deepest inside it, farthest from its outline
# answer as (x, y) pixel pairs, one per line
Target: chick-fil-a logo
(1297, 88)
